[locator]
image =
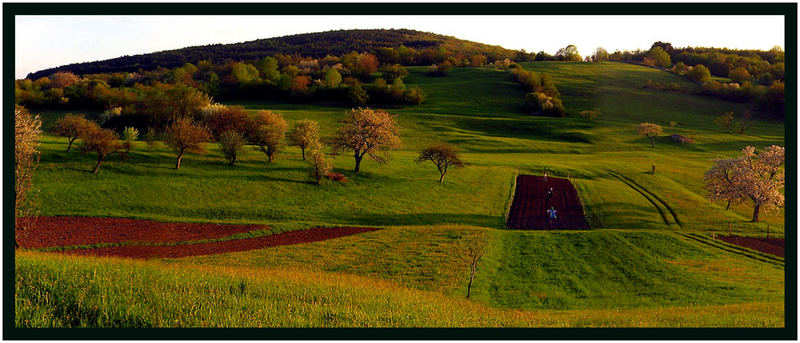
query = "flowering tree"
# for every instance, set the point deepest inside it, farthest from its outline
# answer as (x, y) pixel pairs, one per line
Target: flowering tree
(367, 133)
(320, 164)
(720, 184)
(650, 131)
(754, 176)
(269, 133)
(304, 134)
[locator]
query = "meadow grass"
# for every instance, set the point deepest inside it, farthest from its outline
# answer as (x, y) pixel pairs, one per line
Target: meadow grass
(63, 291)
(534, 270)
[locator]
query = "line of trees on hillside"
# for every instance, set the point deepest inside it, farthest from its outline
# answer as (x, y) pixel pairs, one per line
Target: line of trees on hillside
(364, 132)
(756, 76)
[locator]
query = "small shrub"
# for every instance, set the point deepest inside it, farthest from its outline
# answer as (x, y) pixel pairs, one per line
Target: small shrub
(110, 113)
(129, 135)
(681, 139)
(590, 115)
(541, 103)
(151, 137)
(336, 177)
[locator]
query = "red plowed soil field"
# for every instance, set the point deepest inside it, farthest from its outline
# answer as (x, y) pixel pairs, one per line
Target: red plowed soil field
(529, 209)
(772, 246)
(65, 231)
(184, 250)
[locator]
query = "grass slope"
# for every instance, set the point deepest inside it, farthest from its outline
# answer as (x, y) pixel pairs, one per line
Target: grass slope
(60, 291)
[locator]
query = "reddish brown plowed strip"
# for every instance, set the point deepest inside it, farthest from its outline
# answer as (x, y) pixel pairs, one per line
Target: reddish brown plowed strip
(294, 237)
(772, 246)
(43, 232)
(531, 201)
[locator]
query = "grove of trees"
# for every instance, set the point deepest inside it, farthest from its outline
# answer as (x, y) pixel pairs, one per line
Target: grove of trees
(757, 76)
(543, 94)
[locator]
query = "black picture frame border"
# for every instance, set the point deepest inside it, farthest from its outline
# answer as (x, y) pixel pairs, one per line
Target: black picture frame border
(787, 10)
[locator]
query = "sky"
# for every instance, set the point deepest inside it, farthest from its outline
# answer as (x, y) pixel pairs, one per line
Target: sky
(50, 41)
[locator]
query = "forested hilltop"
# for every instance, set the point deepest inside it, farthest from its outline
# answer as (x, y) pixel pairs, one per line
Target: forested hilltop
(420, 48)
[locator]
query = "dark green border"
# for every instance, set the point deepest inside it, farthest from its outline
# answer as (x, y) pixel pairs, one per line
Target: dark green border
(788, 10)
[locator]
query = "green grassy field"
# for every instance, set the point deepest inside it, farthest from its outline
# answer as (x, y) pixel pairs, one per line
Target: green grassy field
(635, 267)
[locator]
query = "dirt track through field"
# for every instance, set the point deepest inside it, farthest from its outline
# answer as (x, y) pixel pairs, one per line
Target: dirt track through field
(531, 201)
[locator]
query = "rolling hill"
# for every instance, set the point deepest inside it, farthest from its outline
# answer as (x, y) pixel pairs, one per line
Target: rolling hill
(314, 45)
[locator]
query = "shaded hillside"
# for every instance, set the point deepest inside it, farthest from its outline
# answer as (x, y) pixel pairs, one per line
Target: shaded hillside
(310, 44)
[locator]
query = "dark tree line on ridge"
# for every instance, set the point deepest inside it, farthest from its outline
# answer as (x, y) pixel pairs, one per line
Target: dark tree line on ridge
(410, 48)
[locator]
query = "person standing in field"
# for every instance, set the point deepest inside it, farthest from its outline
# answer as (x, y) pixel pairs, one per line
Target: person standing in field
(551, 214)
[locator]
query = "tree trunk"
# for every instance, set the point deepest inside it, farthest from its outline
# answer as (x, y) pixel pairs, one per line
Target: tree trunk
(653, 169)
(471, 277)
(441, 178)
(358, 161)
(178, 162)
(652, 141)
(232, 162)
(303, 152)
(269, 158)
(97, 166)
(755, 213)
(70, 143)
(729, 205)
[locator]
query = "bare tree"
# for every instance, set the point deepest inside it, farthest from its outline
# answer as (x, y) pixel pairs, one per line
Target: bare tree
(367, 133)
(745, 121)
(186, 136)
(725, 120)
(71, 126)
(27, 132)
(470, 250)
(442, 156)
(650, 131)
